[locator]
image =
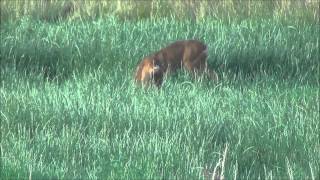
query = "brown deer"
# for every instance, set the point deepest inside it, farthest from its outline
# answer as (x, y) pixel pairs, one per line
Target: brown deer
(188, 54)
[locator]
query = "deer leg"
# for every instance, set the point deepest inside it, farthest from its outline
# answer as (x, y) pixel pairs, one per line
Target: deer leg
(197, 64)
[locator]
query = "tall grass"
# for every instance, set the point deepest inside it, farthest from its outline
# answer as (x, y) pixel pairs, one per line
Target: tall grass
(70, 110)
(99, 125)
(250, 46)
(297, 10)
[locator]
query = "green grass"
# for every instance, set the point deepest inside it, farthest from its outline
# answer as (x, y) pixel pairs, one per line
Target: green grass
(228, 10)
(249, 46)
(70, 109)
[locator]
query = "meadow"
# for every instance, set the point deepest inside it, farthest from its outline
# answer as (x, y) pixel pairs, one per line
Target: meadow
(70, 109)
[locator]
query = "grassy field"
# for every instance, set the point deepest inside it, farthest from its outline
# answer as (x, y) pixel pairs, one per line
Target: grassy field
(53, 10)
(70, 109)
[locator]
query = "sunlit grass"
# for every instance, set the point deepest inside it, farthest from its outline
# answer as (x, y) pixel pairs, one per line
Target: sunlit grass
(70, 109)
(94, 126)
(249, 46)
